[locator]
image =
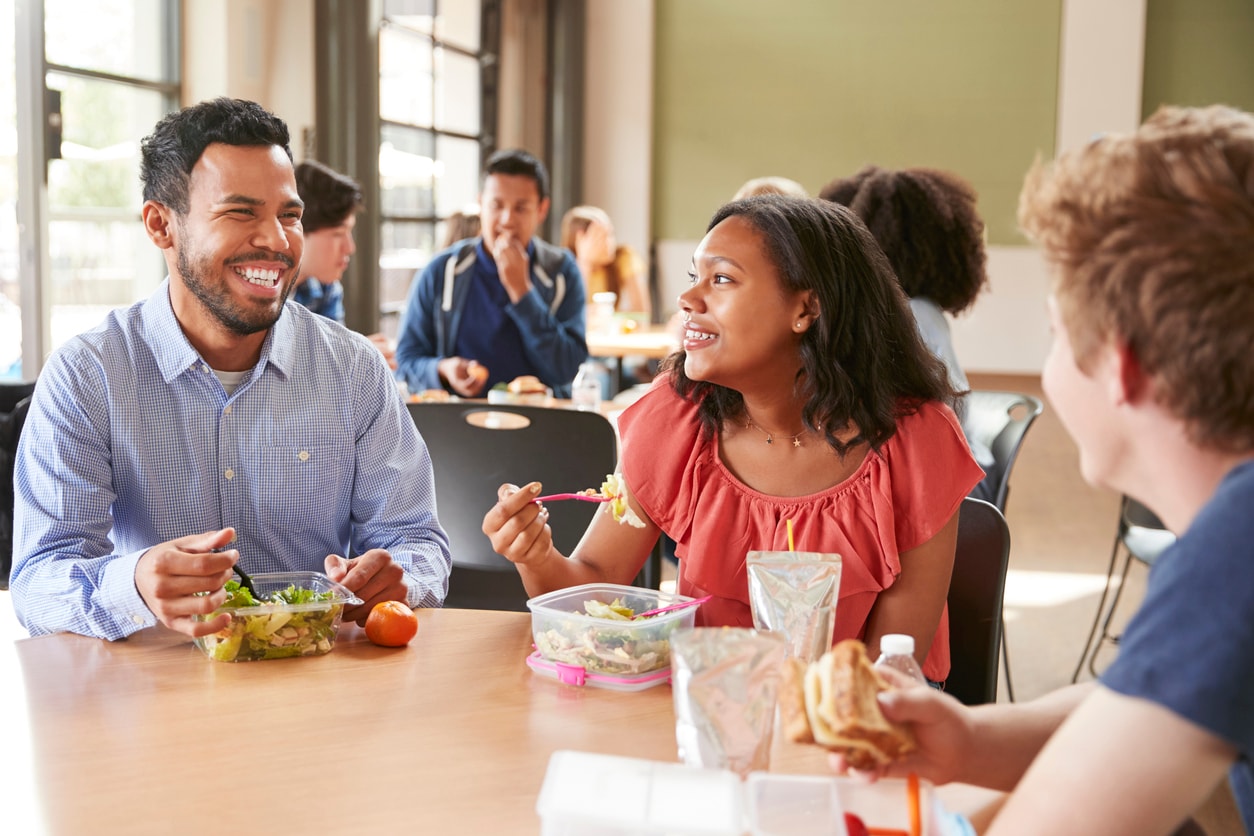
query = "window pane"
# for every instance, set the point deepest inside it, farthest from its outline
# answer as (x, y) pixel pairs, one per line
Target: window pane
(407, 170)
(102, 125)
(458, 23)
(10, 294)
(414, 14)
(404, 77)
(100, 257)
(97, 265)
(123, 37)
(458, 185)
(405, 248)
(456, 92)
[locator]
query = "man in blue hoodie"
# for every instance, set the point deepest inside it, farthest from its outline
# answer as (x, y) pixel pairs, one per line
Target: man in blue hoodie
(503, 305)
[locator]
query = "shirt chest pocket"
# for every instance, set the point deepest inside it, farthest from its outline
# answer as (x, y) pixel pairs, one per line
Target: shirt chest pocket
(296, 479)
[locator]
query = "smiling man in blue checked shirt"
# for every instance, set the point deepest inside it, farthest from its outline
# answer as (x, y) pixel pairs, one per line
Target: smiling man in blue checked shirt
(213, 422)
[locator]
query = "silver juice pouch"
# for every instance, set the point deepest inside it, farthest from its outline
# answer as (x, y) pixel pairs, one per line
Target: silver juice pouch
(724, 681)
(795, 594)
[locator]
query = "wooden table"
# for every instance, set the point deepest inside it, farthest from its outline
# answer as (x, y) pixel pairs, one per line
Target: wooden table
(450, 735)
(653, 342)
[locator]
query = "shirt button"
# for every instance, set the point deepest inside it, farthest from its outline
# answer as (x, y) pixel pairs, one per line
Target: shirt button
(303, 455)
(138, 619)
(230, 474)
(204, 367)
(227, 411)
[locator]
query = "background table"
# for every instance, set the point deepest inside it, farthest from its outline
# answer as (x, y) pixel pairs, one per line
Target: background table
(451, 734)
(651, 343)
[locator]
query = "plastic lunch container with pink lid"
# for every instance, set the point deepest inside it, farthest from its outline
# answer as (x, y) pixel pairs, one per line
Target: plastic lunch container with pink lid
(606, 652)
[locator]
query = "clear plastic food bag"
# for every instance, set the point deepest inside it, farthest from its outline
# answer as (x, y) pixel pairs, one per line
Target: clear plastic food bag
(725, 681)
(794, 594)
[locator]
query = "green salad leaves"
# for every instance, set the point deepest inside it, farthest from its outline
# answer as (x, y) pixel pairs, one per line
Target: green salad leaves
(277, 633)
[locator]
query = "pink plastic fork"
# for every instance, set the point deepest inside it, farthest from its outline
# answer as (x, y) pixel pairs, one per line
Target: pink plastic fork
(681, 605)
(581, 496)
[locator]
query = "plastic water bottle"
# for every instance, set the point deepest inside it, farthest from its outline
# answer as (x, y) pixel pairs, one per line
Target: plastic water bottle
(586, 390)
(897, 652)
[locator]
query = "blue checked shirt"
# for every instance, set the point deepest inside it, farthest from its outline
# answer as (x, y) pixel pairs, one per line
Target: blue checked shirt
(131, 441)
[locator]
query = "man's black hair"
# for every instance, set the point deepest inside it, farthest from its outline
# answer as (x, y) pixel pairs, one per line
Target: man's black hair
(518, 163)
(170, 152)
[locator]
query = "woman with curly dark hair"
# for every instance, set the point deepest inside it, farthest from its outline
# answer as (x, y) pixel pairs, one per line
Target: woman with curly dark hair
(926, 222)
(802, 394)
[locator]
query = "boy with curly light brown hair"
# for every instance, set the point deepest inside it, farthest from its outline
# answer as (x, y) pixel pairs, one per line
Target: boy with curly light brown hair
(1150, 237)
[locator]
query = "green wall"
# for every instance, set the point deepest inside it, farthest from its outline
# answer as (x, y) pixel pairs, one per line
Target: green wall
(1198, 52)
(815, 89)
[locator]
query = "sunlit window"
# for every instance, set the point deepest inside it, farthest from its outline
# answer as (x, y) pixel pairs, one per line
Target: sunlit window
(430, 54)
(10, 291)
(112, 65)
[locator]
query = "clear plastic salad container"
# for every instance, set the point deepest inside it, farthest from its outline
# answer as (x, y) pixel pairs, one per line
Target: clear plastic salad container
(299, 616)
(607, 646)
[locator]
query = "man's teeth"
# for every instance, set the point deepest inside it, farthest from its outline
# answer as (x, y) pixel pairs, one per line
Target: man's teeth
(698, 335)
(258, 276)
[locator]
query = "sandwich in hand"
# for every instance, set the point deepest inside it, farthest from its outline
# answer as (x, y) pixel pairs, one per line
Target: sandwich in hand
(833, 702)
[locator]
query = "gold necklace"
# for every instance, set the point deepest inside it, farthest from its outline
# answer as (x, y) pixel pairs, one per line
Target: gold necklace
(770, 436)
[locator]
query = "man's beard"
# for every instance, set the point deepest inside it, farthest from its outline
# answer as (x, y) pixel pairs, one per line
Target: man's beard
(198, 277)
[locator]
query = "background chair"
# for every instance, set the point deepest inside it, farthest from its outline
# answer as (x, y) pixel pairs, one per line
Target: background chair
(14, 402)
(475, 448)
(999, 421)
(975, 596)
(1141, 537)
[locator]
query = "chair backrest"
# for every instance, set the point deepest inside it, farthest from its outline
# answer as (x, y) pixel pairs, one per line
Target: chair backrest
(14, 404)
(475, 448)
(1142, 532)
(999, 421)
(975, 601)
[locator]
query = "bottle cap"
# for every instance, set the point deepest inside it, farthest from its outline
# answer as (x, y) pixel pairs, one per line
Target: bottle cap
(897, 644)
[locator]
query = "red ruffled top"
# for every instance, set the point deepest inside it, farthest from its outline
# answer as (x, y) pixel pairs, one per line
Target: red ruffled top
(899, 498)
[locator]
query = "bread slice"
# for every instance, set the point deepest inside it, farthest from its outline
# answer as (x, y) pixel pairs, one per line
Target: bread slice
(842, 711)
(793, 721)
(526, 384)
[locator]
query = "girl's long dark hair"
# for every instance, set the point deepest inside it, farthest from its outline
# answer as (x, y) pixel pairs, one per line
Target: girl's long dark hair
(863, 363)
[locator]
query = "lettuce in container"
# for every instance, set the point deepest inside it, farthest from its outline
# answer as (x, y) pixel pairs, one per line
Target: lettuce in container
(590, 626)
(298, 615)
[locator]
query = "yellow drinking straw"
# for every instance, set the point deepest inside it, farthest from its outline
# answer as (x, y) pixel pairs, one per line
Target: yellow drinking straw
(790, 545)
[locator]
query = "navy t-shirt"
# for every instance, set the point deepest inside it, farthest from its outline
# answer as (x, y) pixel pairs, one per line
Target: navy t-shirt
(1190, 647)
(486, 333)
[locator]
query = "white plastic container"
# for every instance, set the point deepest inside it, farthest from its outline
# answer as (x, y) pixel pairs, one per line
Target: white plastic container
(586, 794)
(793, 805)
(592, 794)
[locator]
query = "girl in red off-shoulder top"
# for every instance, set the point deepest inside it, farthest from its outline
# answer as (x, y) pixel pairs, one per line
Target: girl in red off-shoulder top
(802, 392)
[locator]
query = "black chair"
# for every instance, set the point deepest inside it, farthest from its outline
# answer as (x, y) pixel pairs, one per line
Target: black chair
(998, 421)
(477, 447)
(14, 403)
(975, 596)
(1141, 537)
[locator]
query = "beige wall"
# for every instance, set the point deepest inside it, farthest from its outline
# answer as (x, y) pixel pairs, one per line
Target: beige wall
(618, 116)
(521, 116)
(253, 49)
(1093, 84)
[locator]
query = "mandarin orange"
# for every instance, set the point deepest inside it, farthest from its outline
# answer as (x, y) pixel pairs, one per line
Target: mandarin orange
(391, 624)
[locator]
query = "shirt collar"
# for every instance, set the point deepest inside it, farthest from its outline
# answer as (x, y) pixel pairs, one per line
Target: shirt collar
(175, 355)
